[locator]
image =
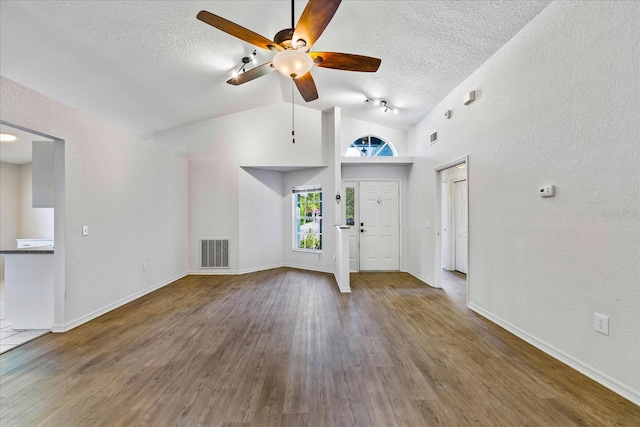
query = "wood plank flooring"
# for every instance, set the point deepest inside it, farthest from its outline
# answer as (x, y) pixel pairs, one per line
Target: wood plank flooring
(284, 348)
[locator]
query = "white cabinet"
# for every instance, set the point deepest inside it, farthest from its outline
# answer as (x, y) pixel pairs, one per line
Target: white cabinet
(29, 290)
(42, 174)
(33, 243)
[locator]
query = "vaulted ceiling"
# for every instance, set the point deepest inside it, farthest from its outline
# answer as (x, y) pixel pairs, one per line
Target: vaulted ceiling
(145, 66)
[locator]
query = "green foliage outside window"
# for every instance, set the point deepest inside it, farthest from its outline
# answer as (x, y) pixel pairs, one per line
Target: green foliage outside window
(312, 241)
(309, 220)
(350, 205)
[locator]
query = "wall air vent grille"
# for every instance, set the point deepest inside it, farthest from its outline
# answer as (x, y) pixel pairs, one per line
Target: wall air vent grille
(214, 253)
(433, 138)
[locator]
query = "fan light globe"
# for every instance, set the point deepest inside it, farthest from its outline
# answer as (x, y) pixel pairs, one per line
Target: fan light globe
(293, 63)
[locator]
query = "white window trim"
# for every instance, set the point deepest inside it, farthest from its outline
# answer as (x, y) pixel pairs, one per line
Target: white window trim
(294, 216)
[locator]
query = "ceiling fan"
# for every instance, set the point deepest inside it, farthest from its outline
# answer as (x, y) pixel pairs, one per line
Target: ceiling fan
(293, 45)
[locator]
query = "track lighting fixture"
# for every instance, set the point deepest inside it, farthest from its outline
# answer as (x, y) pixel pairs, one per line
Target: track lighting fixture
(247, 59)
(383, 104)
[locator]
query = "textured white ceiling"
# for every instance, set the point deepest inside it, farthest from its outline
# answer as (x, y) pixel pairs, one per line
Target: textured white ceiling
(146, 66)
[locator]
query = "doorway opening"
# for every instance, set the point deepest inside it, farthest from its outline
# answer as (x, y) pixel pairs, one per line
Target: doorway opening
(372, 209)
(452, 197)
(32, 297)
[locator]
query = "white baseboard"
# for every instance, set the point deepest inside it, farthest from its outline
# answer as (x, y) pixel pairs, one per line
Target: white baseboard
(223, 272)
(213, 273)
(343, 289)
(97, 313)
(596, 375)
(229, 272)
(307, 268)
(422, 279)
(256, 269)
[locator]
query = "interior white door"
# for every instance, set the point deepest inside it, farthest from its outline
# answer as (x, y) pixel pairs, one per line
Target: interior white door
(462, 227)
(444, 225)
(379, 226)
(350, 217)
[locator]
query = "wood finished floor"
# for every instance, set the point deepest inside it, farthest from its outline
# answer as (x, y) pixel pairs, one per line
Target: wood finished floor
(283, 347)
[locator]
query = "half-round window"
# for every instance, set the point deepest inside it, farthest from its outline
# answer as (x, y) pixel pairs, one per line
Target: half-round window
(370, 146)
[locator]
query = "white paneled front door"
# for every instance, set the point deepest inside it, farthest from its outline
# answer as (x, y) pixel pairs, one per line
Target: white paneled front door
(379, 225)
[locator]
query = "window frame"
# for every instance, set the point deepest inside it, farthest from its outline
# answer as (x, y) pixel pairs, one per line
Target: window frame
(386, 143)
(296, 192)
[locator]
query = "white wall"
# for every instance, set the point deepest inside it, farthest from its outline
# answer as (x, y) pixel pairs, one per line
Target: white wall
(232, 195)
(132, 196)
(260, 218)
(213, 209)
(558, 104)
(9, 190)
(227, 156)
(33, 223)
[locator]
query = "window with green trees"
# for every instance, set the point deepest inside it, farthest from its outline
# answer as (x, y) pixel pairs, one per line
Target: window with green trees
(307, 218)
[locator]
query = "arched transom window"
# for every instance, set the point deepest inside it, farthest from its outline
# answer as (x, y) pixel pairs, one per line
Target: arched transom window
(370, 146)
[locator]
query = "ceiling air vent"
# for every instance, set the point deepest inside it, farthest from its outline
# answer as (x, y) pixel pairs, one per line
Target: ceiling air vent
(433, 138)
(214, 253)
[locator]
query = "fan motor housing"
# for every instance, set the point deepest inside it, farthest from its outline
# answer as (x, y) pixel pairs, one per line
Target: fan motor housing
(283, 37)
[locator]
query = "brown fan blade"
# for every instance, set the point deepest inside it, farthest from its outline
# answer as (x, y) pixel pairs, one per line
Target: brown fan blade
(252, 74)
(314, 19)
(346, 61)
(307, 87)
(237, 31)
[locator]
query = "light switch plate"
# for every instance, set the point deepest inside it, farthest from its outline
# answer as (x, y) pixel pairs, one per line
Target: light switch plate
(85, 230)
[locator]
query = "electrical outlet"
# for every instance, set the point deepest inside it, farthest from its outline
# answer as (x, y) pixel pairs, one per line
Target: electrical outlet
(602, 324)
(144, 266)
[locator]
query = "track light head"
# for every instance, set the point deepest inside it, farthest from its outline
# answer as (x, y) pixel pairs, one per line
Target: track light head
(382, 103)
(245, 60)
